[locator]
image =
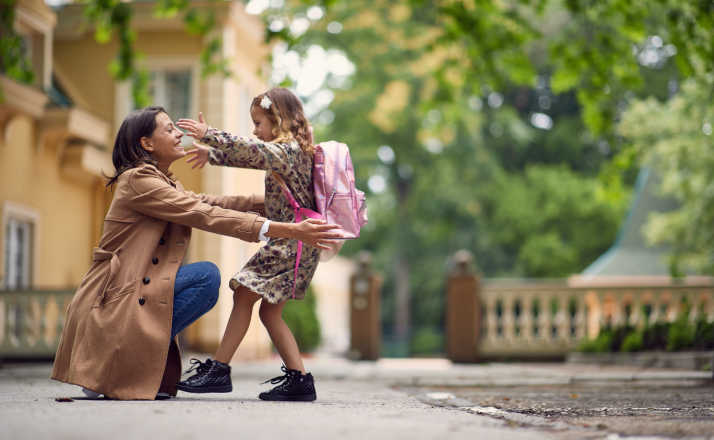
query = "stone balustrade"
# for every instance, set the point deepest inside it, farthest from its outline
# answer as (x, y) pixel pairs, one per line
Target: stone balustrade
(31, 322)
(525, 318)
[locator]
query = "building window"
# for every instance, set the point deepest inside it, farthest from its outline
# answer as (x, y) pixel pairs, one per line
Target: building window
(172, 89)
(173, 84)
(18, 253)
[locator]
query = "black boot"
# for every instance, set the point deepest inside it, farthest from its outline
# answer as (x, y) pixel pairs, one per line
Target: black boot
(293, 386)
(211, 377)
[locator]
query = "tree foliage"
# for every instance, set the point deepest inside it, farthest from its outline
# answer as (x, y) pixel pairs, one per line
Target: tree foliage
(448, 128)
(13, 62)
(114, 16)
(675, 138)
(490, 126)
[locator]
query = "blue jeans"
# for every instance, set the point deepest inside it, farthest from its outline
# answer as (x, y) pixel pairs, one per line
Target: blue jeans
(195, 293)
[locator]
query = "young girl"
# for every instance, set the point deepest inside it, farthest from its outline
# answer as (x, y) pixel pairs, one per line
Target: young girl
(284, 148)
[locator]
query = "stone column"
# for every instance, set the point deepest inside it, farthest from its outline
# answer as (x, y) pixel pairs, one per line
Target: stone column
(365, 323)
(463, 309)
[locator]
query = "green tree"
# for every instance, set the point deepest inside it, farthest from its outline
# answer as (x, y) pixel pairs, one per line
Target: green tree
(456, 164)
(675, 138)
(110, 17)
(13, 61)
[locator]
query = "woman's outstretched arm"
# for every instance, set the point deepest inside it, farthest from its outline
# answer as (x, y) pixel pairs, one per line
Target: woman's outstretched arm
(153, 196)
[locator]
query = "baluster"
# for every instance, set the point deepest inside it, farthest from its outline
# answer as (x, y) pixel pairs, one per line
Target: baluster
(704, 303)
(62, 313)
(23, 321)
(616, 308)
(655, 304)
(483, 334)
(507, 317)
(636, 313)
(563, 316)
(526, 321)
(42, 330)
(12, 331)
(572, 317)
(33, 318)
(536, 313)
(673, 306)
(50, 321)
(490, 304)
(605, 319)
(693, 306)
(3, 321)
(552, 311)
(593, 314)
(582, 317)
(517, 318)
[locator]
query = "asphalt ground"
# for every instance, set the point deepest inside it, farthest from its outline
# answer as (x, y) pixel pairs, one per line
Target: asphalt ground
(387, 399)
(574, 411)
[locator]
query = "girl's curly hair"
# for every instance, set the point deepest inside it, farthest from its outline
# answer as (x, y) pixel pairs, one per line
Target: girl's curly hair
(287, 116)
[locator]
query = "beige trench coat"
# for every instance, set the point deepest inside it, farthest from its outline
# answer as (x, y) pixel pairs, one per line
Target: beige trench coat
(117, 334)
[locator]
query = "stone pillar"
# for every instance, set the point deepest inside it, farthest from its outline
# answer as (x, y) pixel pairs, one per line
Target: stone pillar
(463, 309)
(365, 325)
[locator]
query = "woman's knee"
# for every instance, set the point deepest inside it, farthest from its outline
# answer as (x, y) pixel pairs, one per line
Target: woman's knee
(213, 282)
(212, 274)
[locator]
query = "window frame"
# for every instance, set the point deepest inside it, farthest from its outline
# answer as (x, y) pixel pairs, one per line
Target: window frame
(16, 212)
(123, 99)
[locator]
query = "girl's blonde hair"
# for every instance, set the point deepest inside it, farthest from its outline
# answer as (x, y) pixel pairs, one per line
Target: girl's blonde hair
(286, 114)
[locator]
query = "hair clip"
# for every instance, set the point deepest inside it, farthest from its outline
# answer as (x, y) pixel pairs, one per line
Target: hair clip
(265, 102)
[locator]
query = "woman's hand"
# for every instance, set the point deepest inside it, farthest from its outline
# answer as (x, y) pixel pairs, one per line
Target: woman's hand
(313, 232)
(199, 156)
(196, 129)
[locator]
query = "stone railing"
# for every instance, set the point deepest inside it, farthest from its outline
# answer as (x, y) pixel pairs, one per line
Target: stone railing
(548, 318)
(31, 322)
(528, 318)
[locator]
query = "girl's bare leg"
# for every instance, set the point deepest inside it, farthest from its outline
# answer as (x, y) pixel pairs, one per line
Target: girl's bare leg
(272, 317)
(243, 301)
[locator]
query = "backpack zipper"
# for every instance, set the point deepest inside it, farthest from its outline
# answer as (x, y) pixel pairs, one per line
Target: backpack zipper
(332, 196)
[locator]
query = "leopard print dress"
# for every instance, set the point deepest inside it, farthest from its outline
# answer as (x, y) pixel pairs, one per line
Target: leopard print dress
(270, 272)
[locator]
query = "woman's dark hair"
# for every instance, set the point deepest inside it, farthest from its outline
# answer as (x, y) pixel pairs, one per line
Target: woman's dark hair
(128, 152)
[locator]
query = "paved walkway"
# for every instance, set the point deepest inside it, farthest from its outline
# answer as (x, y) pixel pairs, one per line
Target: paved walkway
(389, 399)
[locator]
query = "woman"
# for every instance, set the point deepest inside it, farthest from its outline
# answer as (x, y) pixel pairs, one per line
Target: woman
(119, 335)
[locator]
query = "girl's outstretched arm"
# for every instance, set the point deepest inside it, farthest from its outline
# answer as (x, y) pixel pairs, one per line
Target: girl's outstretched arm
(195, 129)
(240, 151)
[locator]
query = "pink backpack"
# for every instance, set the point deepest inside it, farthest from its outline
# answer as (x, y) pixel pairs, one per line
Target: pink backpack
(337, 199)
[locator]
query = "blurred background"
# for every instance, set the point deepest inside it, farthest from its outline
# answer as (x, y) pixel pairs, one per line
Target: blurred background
(538, 172)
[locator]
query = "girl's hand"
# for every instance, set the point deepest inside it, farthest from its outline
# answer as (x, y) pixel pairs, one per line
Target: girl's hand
(199, 156)
(196, 129)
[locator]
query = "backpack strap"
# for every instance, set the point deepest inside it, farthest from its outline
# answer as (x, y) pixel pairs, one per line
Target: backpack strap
(299, 214)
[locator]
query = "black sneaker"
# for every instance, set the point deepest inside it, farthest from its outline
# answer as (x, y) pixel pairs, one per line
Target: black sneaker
(211, 377)
(293, 387)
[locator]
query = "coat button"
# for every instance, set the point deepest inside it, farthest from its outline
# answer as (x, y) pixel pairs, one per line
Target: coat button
(162, 241)
(146, 280)
(155, 260)
(141, 301)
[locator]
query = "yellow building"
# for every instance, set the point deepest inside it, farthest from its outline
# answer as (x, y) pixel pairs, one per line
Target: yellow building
(56, 137)
(56, 140)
